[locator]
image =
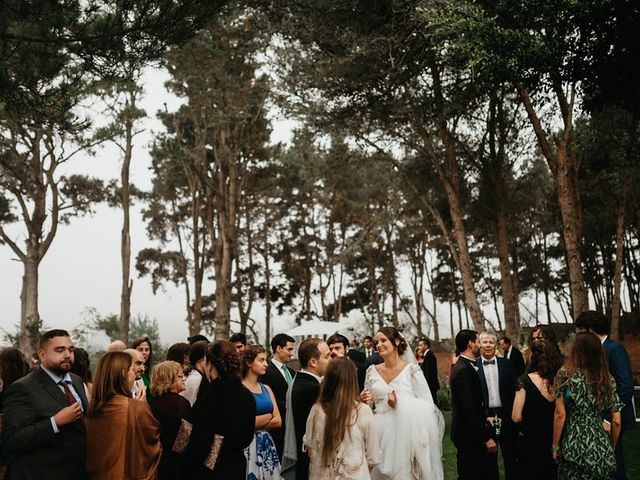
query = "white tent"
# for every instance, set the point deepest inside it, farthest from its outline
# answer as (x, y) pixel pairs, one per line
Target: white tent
(317, 328)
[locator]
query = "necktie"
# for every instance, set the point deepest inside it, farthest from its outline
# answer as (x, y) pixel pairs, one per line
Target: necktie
(67, 392)
(489, 362)
(287, 375)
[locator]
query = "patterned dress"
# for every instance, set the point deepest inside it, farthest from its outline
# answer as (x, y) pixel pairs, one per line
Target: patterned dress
(585, 448)
(262, 457)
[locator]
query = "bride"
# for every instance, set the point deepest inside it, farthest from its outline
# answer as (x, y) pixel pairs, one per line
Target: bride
(409, 424)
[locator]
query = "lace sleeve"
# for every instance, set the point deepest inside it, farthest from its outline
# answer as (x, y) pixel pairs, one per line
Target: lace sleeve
(520, 383)
(419, 384)
(562, 382)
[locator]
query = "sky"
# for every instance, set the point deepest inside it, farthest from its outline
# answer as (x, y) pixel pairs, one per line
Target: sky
(82, 268)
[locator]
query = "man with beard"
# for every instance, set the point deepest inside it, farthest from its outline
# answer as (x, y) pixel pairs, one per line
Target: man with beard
(44, 433)
(138, 391)
(468, 422)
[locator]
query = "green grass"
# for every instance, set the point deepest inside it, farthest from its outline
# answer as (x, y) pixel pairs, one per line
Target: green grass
(631, 449)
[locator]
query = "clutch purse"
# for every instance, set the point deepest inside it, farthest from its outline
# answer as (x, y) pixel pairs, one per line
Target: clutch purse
(182, 440)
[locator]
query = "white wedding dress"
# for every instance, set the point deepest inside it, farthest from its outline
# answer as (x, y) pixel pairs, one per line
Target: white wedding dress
(411, 433)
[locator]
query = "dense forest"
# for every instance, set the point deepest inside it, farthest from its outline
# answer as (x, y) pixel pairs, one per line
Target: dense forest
(454, 162)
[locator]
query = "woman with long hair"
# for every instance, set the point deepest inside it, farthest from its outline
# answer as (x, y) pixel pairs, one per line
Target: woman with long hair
(411, 425)
(533, 411)
(123, 437)
(262, 457)
(225, 414)
(585, 391)
(341, 435)
(169, 408)
(82, 367)
(144, 346)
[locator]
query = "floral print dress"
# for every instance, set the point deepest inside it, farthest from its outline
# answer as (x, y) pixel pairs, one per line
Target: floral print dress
(585, 447)
(262, 457)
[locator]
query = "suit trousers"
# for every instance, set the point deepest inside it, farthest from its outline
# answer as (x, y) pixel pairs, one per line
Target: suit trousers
(471, 460)
(620, 473)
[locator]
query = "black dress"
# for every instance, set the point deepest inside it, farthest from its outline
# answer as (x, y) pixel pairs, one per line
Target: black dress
(536, 434)
(228, 409)
(169, 409)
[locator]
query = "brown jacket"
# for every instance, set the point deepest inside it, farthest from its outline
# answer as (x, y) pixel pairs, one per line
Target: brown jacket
(123, 442)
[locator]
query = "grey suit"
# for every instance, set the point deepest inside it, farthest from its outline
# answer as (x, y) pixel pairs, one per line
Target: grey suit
(35, 451)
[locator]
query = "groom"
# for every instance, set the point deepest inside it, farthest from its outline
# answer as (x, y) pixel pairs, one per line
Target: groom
(468, 427)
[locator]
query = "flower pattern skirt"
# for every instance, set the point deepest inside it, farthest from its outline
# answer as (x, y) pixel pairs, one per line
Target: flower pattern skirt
(262, 458)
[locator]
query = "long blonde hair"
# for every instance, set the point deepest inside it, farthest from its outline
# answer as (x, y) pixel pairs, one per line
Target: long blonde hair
(111, 379)
(338, 399)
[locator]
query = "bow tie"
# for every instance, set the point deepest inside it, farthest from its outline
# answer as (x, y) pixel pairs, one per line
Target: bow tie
(489, 362)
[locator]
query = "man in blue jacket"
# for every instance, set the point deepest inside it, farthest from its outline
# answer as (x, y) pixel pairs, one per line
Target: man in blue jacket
(620, 369)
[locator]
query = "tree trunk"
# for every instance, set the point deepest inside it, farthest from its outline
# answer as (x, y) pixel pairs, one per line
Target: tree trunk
(125, 238)
(29, 315)
(267, 296)
(502, 241)
(564, 167)
(617, 279)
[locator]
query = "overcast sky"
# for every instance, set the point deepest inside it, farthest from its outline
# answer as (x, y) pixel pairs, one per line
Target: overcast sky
(82, 268)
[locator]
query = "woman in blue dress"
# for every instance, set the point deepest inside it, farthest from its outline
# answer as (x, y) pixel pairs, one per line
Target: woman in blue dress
(262, 457)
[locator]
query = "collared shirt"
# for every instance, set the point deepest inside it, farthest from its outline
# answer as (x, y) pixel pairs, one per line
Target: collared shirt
(368, 352)
(279, 365)
(67, 379)
(472, 362)
(507, 354)
(604, 339)
(493, 382)
(312, 374)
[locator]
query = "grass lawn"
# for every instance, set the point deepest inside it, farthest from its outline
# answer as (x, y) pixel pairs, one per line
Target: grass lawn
(631, 450)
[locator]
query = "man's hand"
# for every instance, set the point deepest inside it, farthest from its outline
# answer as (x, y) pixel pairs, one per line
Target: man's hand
(68, 415)
(491, 445)
(142, 394)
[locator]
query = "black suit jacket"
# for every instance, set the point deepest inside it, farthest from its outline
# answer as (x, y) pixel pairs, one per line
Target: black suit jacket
(35, 451)
(620, 369)
(430, 370)
(274, 378)
(357, 356)
(468, 420)
(506, 384)
(304, 393)
(517, 360)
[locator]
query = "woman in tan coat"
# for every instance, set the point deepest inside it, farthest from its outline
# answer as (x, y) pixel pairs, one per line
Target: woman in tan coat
(123, 437)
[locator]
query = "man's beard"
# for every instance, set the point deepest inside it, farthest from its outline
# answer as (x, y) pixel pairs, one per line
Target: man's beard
(61, 368)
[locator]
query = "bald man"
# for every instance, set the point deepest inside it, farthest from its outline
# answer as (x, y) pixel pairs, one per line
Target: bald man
(116, 346)
(138, 390)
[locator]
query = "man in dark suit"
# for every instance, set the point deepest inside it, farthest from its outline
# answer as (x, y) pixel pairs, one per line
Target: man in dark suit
(279, 376)
(430, 368)
(498, 383)
(468, 420)
(43, 432)
(620, 369)
(513, 354)
(314, 358)
(339, 347)
(369, 348)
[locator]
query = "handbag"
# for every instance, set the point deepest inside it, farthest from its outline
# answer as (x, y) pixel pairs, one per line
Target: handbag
(182, 440)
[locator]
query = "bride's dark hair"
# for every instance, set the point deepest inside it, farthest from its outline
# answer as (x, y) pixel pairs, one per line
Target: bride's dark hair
(393, 334)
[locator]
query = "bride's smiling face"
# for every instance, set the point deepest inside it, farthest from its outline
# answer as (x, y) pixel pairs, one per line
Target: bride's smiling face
(384, 346)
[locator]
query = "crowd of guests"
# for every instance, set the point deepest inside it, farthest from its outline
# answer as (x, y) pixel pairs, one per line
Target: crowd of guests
(232, 411)
(564, 417)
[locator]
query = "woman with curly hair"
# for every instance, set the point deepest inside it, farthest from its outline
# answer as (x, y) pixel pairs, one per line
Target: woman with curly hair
(262, 457)
(533, 410)
(123, 437)
(169, 408)
(411, 426)
(585, 391)
(225, 414)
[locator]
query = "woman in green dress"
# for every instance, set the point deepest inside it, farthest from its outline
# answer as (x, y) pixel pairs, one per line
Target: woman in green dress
(583, 443)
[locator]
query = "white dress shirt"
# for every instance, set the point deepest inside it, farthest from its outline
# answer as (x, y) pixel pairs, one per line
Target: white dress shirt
(279, 365)
(493, 382)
